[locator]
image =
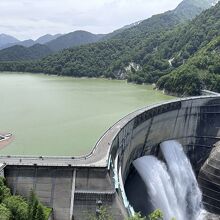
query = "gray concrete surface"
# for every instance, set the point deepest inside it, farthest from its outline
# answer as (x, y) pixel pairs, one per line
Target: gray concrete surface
(209, 180)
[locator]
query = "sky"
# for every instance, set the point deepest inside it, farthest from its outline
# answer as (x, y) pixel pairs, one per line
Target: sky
(30, 19)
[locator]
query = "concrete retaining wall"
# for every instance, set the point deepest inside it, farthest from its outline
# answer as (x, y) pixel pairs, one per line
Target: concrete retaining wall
(193, 122)
(68, 190)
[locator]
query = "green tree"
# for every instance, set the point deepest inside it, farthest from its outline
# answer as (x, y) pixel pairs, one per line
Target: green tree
(102, 214)
(40, 215)
(5, 213)
(156, 215)
(4, 190)
(18, 207)
(36, 211)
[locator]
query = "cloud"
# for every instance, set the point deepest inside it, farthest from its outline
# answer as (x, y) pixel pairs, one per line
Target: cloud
(31, 19)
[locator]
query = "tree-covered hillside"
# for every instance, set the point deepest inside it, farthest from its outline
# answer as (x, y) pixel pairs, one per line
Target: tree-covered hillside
(45, 45)
(201, 71)
(17, 208)
(19, 53)
(143, 53)
(73, 39)
(110, 57)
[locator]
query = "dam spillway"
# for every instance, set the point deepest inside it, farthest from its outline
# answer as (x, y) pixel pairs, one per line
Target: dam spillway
(172, 187)
(72, 185)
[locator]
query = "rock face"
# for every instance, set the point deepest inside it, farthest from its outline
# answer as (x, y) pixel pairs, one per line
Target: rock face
(209, 181)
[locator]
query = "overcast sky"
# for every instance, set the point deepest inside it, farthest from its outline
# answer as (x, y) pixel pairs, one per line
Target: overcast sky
(26, 19)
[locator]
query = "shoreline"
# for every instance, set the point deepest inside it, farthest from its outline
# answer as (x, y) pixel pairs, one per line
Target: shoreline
(97, 78)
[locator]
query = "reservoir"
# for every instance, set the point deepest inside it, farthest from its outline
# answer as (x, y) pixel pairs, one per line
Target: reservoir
(63, 116)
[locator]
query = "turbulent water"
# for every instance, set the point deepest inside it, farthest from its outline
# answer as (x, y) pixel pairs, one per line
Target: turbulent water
(185, 184)
(172, 187)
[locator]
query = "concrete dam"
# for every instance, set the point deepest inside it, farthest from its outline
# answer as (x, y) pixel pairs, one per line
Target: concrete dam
(72, 186)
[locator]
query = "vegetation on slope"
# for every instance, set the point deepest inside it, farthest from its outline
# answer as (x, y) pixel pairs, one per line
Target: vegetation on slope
(200, 72)
(73, 39)
(110, 57)
(19, 53)
(17, 208)
(143, 53)
(45, 45)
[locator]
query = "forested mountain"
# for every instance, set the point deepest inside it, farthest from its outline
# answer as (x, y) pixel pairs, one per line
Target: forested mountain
(7, 39)
(47, 38)
(188, 8)
(185, 11)
(18, 53)
(143, 53)
(201, 71)
(49, 44)
(180, 44)
(120, 30)
(73, 39)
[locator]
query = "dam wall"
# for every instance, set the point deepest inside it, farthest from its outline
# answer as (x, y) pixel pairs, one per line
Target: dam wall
(194, 122)
(72, 186)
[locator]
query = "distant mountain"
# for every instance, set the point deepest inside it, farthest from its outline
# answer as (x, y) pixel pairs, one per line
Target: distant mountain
(113, 57)
(142, 53)
(73, 39)
(47, 38)
(25, 43)
(49, 44)
(186, 10)
(118, 31)
(52, 44)
(7, 39)
(19, 53)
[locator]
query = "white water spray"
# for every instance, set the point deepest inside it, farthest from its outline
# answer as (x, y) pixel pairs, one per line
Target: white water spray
(174, 188)
(185, 184)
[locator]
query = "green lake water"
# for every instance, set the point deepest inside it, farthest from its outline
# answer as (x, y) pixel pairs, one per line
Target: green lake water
(51, 115)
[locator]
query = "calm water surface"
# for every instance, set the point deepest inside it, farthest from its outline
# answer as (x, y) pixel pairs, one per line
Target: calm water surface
(51, 115)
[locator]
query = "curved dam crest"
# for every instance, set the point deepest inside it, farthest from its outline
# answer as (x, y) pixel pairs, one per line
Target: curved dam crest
(194, 122)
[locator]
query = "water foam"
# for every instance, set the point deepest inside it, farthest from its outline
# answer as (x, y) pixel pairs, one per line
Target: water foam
(172, 187)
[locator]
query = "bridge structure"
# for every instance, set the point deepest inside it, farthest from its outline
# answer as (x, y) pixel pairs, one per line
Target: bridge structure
(72, 186)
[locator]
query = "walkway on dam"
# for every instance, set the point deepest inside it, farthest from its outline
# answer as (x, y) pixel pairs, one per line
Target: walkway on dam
(97, 158)
(100, 154)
